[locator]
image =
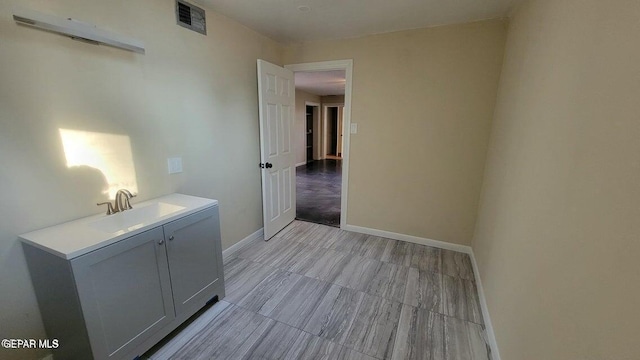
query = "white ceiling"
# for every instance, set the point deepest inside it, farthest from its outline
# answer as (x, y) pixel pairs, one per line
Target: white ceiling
(321, 83)
(338, 19)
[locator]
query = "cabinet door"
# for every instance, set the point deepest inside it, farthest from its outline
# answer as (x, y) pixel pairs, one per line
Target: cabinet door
(125, 293)
(193, 250)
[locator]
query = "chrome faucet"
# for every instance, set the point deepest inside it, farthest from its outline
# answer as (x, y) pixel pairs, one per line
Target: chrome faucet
(122, 200)
(120, 203)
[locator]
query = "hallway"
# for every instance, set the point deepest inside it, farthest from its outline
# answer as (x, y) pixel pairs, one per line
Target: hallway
(318, 187)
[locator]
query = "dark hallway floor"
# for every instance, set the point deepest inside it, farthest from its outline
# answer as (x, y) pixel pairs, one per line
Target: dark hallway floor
(318, 187)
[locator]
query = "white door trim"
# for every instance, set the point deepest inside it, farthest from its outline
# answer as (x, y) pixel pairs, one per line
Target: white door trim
(347, 66)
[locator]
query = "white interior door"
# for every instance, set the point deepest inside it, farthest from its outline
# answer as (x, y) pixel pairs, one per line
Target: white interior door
(276, 97)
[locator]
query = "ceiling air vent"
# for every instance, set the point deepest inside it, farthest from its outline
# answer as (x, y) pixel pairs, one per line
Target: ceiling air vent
(191, 17)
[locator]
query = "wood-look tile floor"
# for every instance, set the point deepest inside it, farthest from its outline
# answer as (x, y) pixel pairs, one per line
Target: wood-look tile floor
(317, 292)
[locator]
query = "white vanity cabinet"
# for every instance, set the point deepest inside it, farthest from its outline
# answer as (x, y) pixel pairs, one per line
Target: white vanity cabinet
(189, 250)
(124, 293)
(117, 301)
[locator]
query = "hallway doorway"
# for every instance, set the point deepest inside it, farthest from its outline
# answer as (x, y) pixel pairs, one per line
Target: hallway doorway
(322, 184)
(319, 181)
(334, 130)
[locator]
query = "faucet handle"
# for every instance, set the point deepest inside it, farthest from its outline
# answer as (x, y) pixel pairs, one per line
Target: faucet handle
(110, 210)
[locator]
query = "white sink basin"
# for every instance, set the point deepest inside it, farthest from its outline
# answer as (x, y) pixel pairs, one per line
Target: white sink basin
(135, 218)
(78, 237)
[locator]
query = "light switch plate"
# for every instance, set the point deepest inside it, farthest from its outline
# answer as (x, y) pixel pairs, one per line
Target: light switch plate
(354, 128)
(175, 165)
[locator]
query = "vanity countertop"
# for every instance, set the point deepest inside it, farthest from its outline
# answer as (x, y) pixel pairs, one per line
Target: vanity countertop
(79, 237)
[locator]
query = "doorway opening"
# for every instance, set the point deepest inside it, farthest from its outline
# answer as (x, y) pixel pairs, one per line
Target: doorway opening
(310, 115)
(334, 130)
(319, 176)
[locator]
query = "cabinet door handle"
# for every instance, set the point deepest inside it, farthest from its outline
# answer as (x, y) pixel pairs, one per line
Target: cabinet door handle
(171, 238)
(161, 242)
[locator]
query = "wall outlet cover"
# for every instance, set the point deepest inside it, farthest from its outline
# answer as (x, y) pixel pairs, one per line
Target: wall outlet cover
(174, 165)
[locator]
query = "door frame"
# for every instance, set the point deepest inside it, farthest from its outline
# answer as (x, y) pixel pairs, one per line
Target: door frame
(347, 66)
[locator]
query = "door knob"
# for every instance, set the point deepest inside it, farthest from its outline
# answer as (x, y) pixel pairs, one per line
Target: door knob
(268, 165)
(161, 241)
(171, 238)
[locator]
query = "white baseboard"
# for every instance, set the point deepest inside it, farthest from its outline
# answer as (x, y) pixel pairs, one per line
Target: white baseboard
(409, 238)
(302, 163)
(491, 336)
(258, 235)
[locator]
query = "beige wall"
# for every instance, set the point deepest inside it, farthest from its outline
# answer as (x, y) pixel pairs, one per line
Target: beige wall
(191, 95)
(423, 101)
(300, 128)
(558, 231)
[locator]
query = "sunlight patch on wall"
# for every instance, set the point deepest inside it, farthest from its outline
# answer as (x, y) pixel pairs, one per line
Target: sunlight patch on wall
(108, 153)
